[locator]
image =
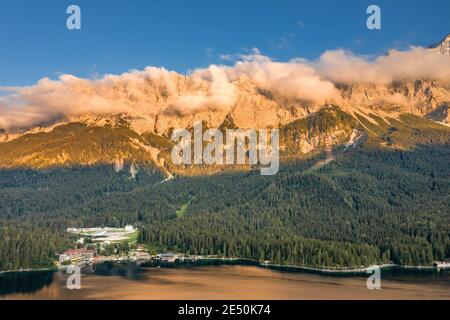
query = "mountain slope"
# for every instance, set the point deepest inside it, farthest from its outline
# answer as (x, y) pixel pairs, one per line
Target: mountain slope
(392, 115)
(370, 206)
(115, 142)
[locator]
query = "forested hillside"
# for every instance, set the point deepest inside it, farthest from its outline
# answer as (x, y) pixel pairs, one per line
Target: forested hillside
(370, 206)
(26, 247)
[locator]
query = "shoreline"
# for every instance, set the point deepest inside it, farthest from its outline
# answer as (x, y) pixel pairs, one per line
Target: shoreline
(321, 271)
(28, 270)
(187, 262)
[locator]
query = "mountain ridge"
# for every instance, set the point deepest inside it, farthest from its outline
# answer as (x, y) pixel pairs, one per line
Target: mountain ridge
(382, 111)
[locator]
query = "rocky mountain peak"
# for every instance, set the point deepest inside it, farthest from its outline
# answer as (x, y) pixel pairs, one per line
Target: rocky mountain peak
(442, 47)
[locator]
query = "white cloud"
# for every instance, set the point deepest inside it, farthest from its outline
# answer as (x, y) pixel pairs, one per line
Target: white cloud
(155, 90)
(294, 79)
(415, 63)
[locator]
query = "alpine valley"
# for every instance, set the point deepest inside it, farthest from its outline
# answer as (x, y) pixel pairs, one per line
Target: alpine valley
(384, 196)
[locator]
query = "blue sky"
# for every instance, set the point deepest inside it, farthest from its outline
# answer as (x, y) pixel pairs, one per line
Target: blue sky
(180, 35)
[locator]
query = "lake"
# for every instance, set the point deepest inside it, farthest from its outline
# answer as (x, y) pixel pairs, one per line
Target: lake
(112, 281)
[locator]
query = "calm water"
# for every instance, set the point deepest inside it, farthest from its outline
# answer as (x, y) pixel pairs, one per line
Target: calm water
(219, 282)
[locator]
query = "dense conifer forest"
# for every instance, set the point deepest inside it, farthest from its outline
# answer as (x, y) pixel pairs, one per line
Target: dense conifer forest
(370, 206)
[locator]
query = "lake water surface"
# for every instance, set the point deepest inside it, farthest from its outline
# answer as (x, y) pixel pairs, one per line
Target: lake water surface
(219, 282)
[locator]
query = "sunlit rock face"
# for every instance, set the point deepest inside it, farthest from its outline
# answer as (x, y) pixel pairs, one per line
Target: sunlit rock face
(131, 116)
(442, 47)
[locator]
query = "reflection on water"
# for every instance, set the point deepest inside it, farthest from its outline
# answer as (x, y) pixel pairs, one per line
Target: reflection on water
(24, 282)
(129, 281)
(129, 271)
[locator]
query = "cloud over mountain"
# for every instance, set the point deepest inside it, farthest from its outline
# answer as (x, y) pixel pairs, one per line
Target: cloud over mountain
(156, 90)
(416, 63)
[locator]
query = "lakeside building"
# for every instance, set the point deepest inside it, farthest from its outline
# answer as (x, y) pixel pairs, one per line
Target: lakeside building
(77, 255)
(166, 257)
(105, 235)
(441, 264)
